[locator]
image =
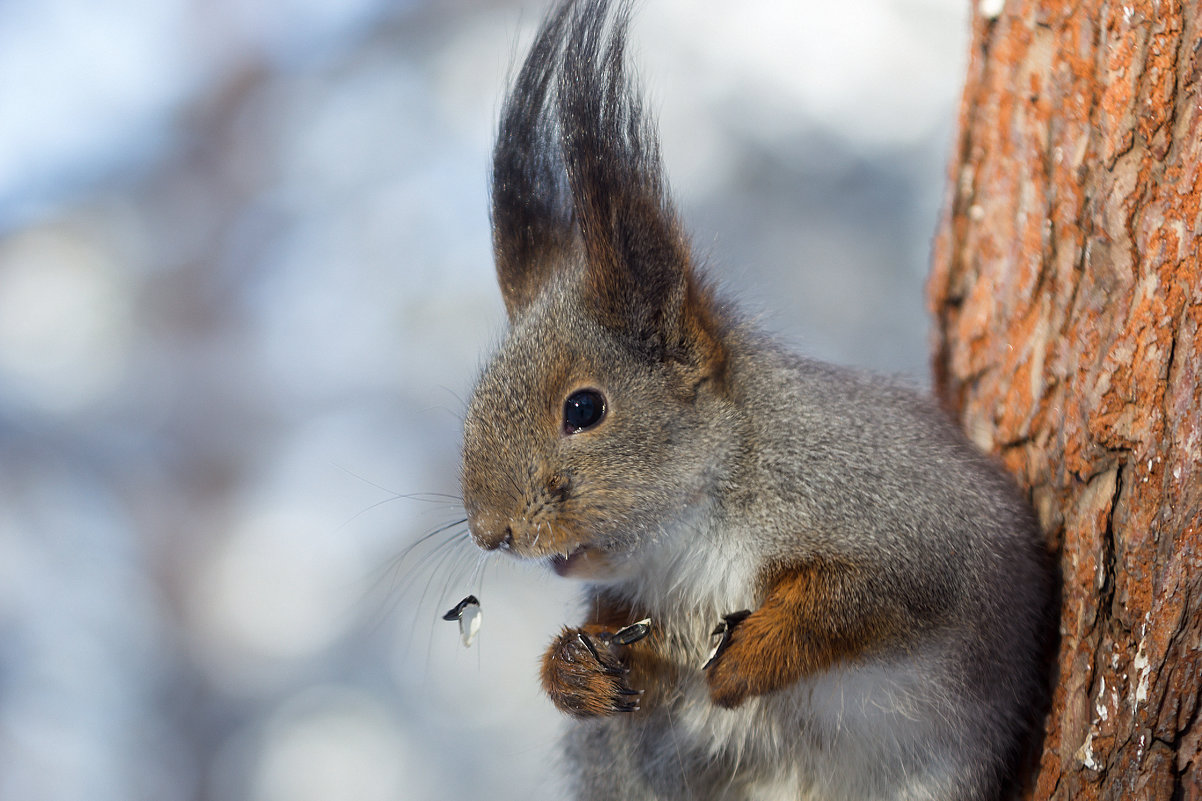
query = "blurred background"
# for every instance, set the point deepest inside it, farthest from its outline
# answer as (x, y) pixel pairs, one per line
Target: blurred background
(245, 286)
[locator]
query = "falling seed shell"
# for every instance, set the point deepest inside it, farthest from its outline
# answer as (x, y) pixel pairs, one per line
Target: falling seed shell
(469, 615)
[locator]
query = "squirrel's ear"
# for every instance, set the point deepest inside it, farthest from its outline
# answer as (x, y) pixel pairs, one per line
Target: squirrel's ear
(639, 275)
(577, 178)
(531, 208)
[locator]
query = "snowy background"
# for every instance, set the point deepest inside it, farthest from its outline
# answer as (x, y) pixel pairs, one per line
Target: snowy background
(245, 285)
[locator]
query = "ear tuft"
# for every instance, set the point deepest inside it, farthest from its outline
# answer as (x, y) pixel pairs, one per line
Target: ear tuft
(578, 180)
(531, 208)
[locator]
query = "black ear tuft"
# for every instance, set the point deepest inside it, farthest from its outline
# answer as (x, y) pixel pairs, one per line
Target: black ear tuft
(577, 177)
(531, 207)
(635, 249)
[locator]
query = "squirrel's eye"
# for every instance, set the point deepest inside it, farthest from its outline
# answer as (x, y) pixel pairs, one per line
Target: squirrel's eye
(583, 410)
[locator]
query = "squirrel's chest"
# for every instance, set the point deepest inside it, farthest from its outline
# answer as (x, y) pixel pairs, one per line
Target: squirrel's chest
(699, 570)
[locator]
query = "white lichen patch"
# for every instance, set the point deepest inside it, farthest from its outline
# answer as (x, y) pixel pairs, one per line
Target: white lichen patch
(1143, 670)
(991, 9)
(1086, 755)
(1142, 673)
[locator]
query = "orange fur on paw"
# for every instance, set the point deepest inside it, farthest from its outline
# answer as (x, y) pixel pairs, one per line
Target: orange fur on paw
(586, 675)
(812, 617)
(755, 660)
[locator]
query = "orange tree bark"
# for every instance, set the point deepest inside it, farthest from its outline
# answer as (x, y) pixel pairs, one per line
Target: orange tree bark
(1067, 296)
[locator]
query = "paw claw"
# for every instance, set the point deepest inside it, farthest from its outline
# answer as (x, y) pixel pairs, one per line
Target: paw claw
(587, 642)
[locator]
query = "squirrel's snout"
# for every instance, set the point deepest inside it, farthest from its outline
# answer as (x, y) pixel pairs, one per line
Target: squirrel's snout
(533, 521)
(491, 537)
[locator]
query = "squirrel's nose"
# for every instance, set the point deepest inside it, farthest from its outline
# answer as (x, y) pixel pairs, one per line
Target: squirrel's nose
(492, 537)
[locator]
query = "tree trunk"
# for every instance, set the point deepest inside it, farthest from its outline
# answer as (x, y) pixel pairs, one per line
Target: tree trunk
(1067, 295)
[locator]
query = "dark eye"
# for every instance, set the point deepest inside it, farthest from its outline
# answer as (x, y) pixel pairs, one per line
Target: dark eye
(583, 410)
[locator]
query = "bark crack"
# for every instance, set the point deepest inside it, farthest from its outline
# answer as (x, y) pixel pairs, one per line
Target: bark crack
(1106, 593)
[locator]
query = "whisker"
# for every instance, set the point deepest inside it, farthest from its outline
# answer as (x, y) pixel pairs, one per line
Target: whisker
(393, 494)
(435, 620)
(426, 537)
(478, 573)
(388, 577)
(393, 565)
(460, 415)
(436, 559)
(450, 502)
(478, 579)
(441, 554)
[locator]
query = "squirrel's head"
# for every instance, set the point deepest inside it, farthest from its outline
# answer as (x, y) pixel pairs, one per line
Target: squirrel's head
(593, 427)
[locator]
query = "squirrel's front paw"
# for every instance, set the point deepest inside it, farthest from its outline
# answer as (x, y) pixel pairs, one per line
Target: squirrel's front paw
(585, 674)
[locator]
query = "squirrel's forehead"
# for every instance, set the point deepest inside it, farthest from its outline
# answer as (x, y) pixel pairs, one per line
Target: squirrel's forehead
(529, 368)
(555, 337)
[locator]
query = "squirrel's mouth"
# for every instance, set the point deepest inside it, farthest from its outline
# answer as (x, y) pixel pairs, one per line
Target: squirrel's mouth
(565, 564)
(584, 562)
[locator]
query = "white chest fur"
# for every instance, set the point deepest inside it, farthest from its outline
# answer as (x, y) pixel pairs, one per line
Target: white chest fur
(697, 568)
(870, 729)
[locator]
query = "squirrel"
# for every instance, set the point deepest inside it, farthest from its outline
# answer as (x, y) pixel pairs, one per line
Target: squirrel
(880, 587)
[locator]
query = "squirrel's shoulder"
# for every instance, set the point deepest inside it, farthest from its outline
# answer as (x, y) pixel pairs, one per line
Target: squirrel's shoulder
(769, 378)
